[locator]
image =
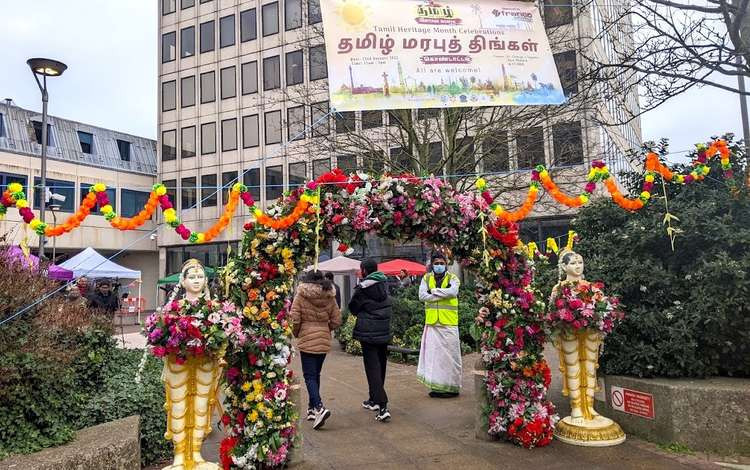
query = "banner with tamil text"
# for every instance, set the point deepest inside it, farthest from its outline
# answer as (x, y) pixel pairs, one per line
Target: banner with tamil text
(396, 54)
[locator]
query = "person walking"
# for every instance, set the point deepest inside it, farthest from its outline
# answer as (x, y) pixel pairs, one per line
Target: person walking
(372, 306)
(439, 366)
(315, 315)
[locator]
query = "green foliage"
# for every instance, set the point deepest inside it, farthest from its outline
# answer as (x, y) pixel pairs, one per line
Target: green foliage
(344, 334)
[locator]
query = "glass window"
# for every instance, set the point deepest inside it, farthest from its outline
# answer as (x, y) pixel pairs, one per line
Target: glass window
(2, 126)
(292, 14)
(123, 146)
(208, 87)
(557, 13)
(187, 4)
(464, 160)
(250, 131)
(436, 156)
(168, 95)
(345, 122)
(228, 135)
(38, 132)
(566, 68)
(111, 195)
(250, 77)
(321, 167)
(63, 188)
(226, 31)
(428, 113)
(248, 25)
(187, 42)
(188, 193)
(228, 83)
(207, 36)
(319, 120)
(530, 147)
(273, 127)
(318, 64)
(171, 186)
(168, 145)
(274, 182)
(187, 142)
(297, 174)
(132, 202)
(295, 123)
(313, 12)
(496, 152)
(371, 119)
(208, 138)
(270, 14)
(251, 179)
(228, 178)
(168, 47)
(567, 143)
(168, 6)
(373, 162)
(295, 72)
(86, 140)
(347, 163)
(271, 73)
(187, 92)
(401, 160)
(208, 191)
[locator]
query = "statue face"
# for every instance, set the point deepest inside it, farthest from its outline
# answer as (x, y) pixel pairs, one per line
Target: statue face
(194, 280)
(574, 267)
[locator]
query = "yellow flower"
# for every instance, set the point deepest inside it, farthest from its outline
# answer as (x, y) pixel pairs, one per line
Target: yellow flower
(533, 189)
(237, 187)
(170, 215)
(481, 184)
(34, 224)
(706, 170)
(286, 253)
(246, 387)
(161, 190)
(275, 325)
(106, 209)
(680, 178)
(646, 195)
(15, 187)
(499, 210)
(261, 407)
(21, 203)
(257, 212)
(269, 414)
(305, 198)
(100, 187)
(253, 416)
(201, 237)
(584, 198)
(650, 178)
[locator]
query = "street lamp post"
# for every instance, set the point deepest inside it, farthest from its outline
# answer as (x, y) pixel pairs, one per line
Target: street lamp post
(54, 208)
(45, 68)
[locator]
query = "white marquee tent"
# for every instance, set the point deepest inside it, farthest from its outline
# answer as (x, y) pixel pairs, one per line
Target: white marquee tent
(91, 264)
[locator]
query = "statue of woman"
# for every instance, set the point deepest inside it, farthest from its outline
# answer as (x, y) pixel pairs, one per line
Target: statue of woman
(579, 348)
(190, 385)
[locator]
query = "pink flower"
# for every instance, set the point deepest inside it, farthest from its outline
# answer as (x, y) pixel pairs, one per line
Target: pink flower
(159, 351)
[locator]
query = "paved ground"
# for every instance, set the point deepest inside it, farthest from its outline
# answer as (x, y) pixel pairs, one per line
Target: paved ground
(432, 434)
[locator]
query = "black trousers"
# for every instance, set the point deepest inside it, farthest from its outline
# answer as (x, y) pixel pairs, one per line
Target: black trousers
(376, 358)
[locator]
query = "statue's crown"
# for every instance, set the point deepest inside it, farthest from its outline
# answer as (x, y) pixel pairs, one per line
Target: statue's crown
(191, 263)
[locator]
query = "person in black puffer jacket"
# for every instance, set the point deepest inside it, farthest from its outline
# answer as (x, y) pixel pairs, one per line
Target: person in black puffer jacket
(372, 306)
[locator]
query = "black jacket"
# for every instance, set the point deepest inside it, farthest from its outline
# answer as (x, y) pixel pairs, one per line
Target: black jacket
(109, 303)
(373, 308)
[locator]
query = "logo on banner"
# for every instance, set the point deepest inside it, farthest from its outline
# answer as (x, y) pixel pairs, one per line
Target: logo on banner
(434, 13)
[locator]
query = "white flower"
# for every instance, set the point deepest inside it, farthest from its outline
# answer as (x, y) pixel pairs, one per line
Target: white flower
(643, 289)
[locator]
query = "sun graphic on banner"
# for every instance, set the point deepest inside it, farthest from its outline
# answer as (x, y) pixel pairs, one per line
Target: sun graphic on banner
(354, 13)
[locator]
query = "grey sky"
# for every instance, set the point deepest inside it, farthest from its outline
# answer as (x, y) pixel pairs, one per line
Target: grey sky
(110, 47)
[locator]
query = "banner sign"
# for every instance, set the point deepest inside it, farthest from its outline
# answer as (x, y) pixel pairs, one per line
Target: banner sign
(632, 402)
(396, 54)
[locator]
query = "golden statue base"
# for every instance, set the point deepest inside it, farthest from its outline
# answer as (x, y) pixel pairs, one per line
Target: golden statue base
(597, 432)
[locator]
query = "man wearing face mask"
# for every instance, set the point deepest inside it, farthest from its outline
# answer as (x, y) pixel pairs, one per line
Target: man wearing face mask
(440, 354)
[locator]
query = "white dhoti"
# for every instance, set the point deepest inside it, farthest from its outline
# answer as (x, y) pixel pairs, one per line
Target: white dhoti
(439, 366)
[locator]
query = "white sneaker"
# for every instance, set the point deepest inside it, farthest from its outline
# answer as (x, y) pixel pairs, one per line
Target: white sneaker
(311, 414)
(383, 415)
(320, 418)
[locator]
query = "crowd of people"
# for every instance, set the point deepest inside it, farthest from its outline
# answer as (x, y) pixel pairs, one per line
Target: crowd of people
(102, 296)
(316, 313)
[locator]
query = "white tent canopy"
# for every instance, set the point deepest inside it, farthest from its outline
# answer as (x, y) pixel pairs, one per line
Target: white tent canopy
(337, 265)
(91, 264)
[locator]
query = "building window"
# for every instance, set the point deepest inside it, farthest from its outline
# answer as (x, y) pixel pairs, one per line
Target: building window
(38, 132)
(274, 182)
(228, 178)
(208, 191)
(567, 143)
(318, 64)
(208, 87)
(63, 188)
(187, 142)
(86, 140)
(248, 25)
(187, 4)
(271, 73)
(168, 6)
(435, 157)
(250, 131)
(295, 123)
(530, 147)
(226, 31)
(188, 193)
(371, 119)
(187, 42)
(208, 138)
(123, 146)
(207, 36)
(168, 47)
(319, 119)
(273, 127)
(2, 126)
(297, 174)
(566, 68)
(373, 162)
(250, 77)
(228, 83)
(292, 14)
(168, 95)
(270, 18)
(111, 195)
(133, 202)
(557, 13)
(428, 113)
(345, 122)
(171, 186)
(228, 135)
(251, 179)
(321, 167)
(347, 163)
(400, 160)
(187, 92)
(496, 152)
(168, 145)
(464, 160)
(295, 73)
(313, 12)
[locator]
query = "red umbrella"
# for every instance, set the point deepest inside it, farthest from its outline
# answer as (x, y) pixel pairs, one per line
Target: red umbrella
(394, 267)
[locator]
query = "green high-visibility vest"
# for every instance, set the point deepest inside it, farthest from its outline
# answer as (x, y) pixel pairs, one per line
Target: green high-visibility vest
(443, 311)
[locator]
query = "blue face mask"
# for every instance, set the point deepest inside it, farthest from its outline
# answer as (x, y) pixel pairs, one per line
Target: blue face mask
(439, 269)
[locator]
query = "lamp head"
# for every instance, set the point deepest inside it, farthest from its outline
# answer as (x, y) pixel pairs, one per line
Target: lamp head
(46, 67)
